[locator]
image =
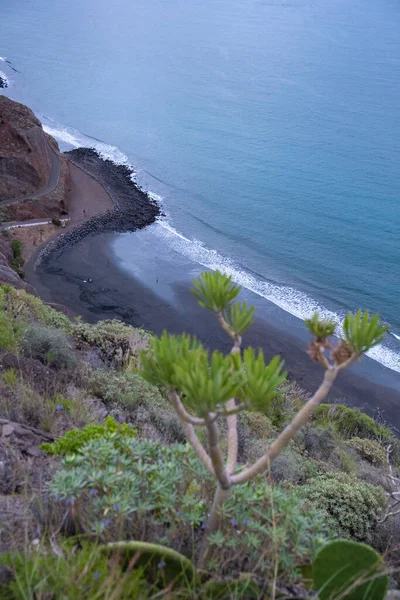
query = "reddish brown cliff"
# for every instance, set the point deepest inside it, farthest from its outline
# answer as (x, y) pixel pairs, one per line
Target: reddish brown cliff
(32, 169)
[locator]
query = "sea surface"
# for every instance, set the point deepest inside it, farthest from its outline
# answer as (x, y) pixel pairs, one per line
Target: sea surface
(268, 129)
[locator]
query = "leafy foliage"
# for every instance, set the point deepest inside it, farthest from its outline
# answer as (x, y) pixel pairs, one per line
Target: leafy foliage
(265, 521)
(261, 382)
(214, 290)
(74, 440)
(352, 506)
(10, 377)
(348, 570)
(362, 332)
(19, 304)
(208, 381)
(48, 345)
(17, 261)
(141, 487)
(239, 317)
(82, 572)
(117, 341)
(351, 422)
(8, 332)
(320, 329)
(144, 490)
(370, 450)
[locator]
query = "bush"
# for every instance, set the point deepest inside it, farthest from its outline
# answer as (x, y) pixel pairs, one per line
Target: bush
(369, 450)
(119, 343)
(352, 507)
(152, 413)
(351, 422)
(17, 261)
(10, 377)
(317, 442)
(74, 440)
(19, 304)
(8, 332)
(48, 345)
(144, 490)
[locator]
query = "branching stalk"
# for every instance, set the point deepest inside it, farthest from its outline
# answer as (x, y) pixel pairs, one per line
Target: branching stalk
(192, 436)
(288, 433)
(216, 454)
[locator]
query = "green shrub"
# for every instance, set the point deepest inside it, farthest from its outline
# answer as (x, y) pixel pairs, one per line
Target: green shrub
(126, 389)
(348, 463)
(48, 345)
(8, 333)
(78, 572)
(17, 261)
(317, 442)
(351, 422)
(10, 377)
(255, 425)
(352, 506)
(73, 441)
(143, 401)
(19, 304)
(292, 466)
(369, 450)
(119, 343)
(143, 490)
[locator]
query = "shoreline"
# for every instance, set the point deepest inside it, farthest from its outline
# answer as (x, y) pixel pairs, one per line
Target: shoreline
(87, 279)
(78, 269)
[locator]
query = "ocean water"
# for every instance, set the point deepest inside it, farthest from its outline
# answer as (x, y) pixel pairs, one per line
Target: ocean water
(268, 128)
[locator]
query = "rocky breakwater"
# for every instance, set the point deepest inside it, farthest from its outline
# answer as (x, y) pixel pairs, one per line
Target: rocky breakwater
(133, 207)
(33, 172)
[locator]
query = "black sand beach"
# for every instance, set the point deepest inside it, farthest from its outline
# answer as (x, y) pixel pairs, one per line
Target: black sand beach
(81, 273)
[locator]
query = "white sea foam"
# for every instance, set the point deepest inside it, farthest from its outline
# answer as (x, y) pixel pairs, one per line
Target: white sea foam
(5, 78)
(293, 301)
(3, 58)
(74, 138)
(395, 335)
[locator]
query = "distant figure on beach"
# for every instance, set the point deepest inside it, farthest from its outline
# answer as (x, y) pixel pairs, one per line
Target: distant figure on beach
(156, 279)
(84, 211)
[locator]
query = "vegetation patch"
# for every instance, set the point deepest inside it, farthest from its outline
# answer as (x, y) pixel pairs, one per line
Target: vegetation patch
(353, 507)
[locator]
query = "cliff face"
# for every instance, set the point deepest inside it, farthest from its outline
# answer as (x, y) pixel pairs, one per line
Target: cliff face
(30, 164)
(24, 154)
(34, 180)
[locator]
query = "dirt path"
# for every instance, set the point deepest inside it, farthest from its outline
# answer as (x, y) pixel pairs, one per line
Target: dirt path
(86, 198)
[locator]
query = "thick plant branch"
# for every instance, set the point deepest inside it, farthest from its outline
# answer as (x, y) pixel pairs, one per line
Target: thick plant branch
(216, 454)
(233, 442)
(193, 439)
(231, 409)
(181, 410)
(288, 433)
(225, 326)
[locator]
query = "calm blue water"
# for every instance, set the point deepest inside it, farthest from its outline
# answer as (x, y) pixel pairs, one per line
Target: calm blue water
(269, 128)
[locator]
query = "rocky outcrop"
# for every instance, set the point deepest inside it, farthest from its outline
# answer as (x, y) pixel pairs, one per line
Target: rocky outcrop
(27, 163)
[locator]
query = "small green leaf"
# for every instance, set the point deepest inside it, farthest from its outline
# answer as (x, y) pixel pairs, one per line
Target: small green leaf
(239, 317)
(261, 381)
(320, 329)
(214, 290)
(363, 332)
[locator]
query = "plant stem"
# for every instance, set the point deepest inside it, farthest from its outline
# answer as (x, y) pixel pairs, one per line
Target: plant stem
(289, 432)
(192, 437)
(220, 496)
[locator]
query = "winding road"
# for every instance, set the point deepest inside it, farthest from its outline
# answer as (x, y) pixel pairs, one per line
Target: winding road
(49, 187)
